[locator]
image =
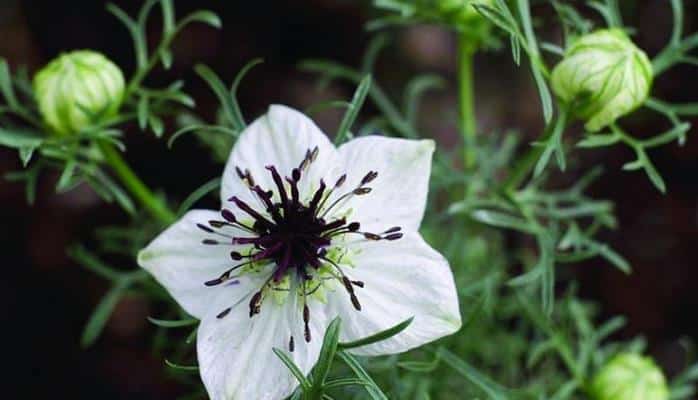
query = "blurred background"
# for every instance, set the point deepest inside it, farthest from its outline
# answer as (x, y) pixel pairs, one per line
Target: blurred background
(46, 298)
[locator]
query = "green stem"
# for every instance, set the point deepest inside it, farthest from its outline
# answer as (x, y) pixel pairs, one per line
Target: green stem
(525, 164)
(137, 188)
(468, 122)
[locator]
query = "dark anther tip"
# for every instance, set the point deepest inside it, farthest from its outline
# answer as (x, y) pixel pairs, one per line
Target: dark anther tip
(228, 215)
(393, 229)
(224, 313)
(354, 226)
(393, 236)
(358, 283)
(371, 236)
(205, 228)
(369, 177)
(340, 181)
(296, 174)
(209, 241)
(216, 224)
(214, 282)
(362, 190)
(239, 172)
(235, 255)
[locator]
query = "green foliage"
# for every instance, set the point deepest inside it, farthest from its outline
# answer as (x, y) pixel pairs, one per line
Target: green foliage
(508, 233)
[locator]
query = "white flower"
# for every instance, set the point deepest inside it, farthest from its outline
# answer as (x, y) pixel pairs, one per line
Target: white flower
(307, 232)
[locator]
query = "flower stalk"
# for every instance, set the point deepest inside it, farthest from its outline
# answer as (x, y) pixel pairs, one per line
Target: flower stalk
(155, 206)
(468, 121)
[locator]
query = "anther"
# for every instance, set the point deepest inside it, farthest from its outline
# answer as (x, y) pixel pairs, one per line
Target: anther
(224, 313)
(235, 255)
(214, 282)
(205, 228)
(314, 154)
(369, 177)
(217, 224)
(393, 236)
(354, 226)
(393, 229)
(340, 181)
(306, 321)
(358, 283)
(255, 303)
(291, 345)
(210, 241)
(228, 215)
(371, 236)
(361, 191)
(296, 174)
(241, 175)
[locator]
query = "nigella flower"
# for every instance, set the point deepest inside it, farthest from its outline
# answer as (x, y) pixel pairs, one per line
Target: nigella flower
(307, 232)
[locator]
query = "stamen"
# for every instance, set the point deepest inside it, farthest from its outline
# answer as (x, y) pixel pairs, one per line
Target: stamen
(291, 236)
(369, 177)
(255, 303)
(224, 313)
(205, 228)
(340, 181)
(306, 320)
(393, 236)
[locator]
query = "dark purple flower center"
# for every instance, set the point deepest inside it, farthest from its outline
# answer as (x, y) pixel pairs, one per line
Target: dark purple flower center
(291, 235)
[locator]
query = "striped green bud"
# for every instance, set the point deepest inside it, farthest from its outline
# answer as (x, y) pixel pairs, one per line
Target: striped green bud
(606, 73)
(78, 89)
(629, 376)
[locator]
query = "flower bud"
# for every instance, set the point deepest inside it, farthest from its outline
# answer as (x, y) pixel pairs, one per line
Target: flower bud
(606, 73)
(629, 376)
(78, 89)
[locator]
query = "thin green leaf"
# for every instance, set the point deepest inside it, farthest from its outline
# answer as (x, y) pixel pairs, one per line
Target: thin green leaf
(198, 194)
(378, 337)
(20, 139)
(598, 140)
(304, 382)
(139, 45)
(327, 354)
(101, 314)
(234, 91)
(183, 368)
(204, 16)
(501, 220)
(6, 85)
(221, 93)
(353, 111)
(370, 385)
(494, 390)
(173, 323)
(142, 112)
(156, 125)
(194, 128)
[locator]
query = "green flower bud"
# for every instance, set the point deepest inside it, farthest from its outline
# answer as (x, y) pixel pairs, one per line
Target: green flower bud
(78, 89)
(607, 72)
(629, 376)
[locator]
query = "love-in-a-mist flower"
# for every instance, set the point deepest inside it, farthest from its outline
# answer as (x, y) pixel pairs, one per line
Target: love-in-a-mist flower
(78, 89)
(307, 232)
(606, 73)
(629, 376)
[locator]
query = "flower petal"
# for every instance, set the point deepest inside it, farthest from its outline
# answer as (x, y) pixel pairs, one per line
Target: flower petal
(235, 352)
(399, 193)
(181, 263)
(280, 138)
(403, 278)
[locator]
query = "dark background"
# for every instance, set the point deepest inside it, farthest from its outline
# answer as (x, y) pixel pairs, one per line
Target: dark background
(45, 298)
